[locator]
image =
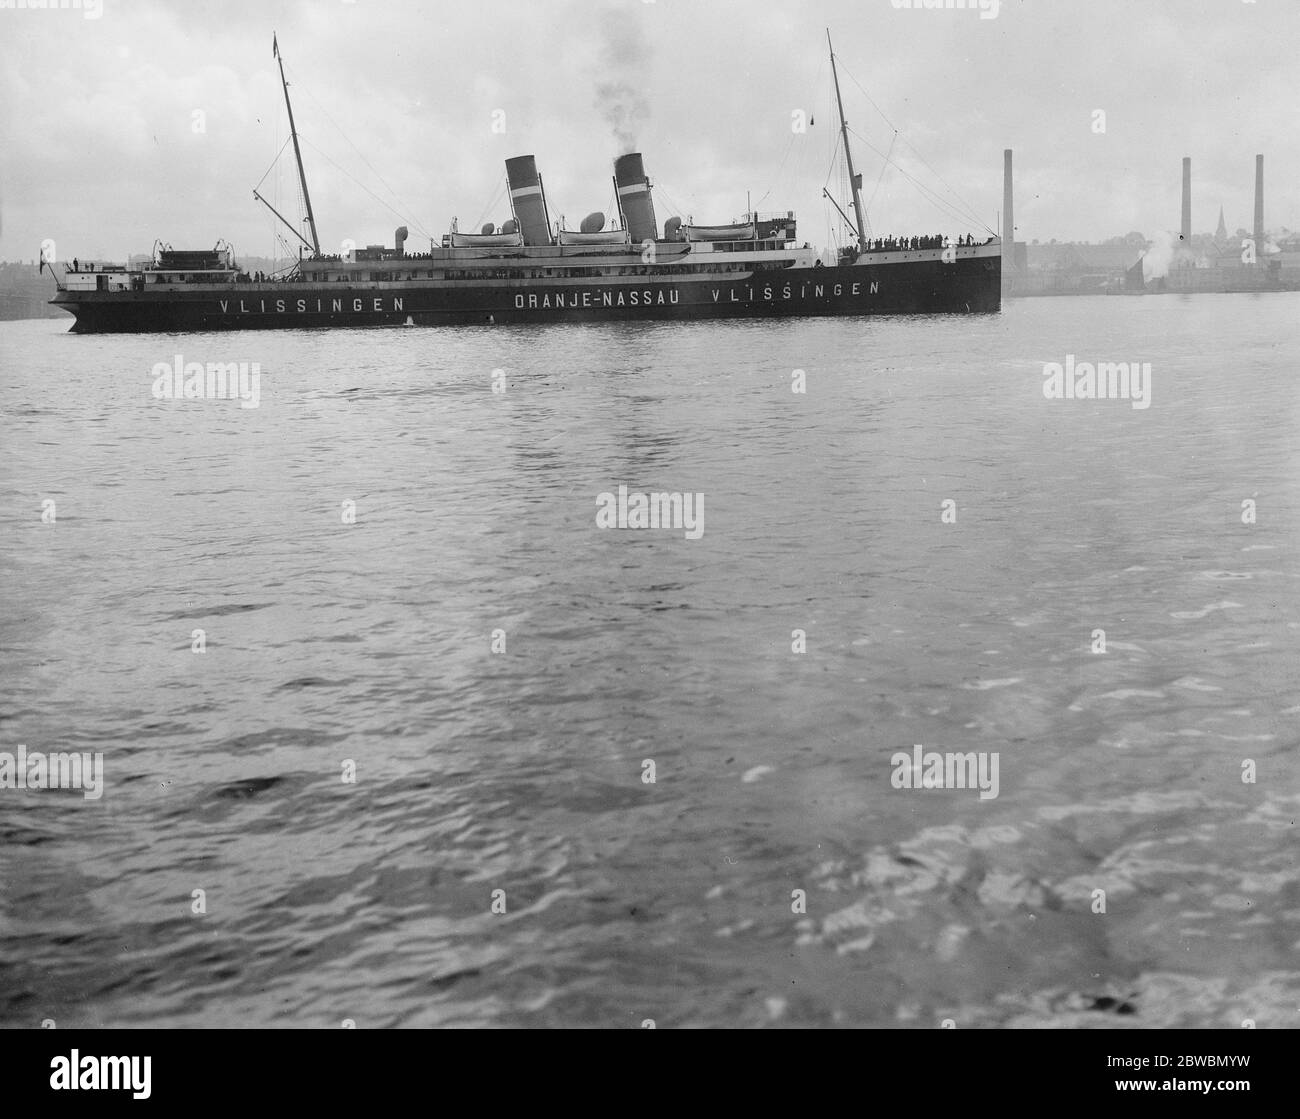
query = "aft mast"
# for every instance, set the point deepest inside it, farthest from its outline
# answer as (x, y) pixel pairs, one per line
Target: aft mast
(297, 152)
(855, 181)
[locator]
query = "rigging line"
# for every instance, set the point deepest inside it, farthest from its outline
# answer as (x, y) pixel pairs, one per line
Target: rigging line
(844, 69)
(794, 135)
(835, 159)
(935, 173)
(273, 163)
(932, 195)
(418, 225)
(883, 168)
(674, 209)
(493, 204)
(954, 205)
(937, 200)
(345, 171)
(909, 144)
(780, 167)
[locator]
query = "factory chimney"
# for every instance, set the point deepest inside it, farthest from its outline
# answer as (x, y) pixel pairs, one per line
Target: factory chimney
(1259, 209)
(1008, 218)
(528, 201)
(1185, 236)
(634, 197)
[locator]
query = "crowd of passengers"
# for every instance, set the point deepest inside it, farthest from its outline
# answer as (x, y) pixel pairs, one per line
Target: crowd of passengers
(894, 244)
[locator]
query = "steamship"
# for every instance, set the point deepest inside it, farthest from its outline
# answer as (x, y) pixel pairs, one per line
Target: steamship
(528, 270)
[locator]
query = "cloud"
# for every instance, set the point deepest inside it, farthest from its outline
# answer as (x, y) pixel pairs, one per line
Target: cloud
(95, 116)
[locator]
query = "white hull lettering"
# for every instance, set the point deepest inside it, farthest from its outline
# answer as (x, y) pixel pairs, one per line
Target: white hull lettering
(300, 306)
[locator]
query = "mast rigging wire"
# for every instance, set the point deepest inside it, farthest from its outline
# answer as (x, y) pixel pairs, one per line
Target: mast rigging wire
(971, 214)
(411, 221)
(343, 170)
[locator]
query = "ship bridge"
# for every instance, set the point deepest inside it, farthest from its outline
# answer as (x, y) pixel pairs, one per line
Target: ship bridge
(169, 266)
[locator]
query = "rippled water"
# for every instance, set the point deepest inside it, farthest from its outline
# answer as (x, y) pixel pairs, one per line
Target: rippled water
(522, 770)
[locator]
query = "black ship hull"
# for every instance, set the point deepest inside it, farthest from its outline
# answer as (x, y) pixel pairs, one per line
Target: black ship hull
(970, 284)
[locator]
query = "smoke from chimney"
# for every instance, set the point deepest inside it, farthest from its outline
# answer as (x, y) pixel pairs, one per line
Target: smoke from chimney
(622, 69)
(1165, 251)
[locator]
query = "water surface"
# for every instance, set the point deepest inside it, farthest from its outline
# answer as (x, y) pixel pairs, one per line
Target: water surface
(522, 771)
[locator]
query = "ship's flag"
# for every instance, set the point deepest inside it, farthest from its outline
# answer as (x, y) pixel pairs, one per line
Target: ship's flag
(275, 47)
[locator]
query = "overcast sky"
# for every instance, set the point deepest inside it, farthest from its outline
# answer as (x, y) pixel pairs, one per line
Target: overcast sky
(101, 152)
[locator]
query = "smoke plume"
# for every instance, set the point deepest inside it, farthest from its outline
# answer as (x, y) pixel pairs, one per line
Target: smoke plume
(622, 68)
(1161, 256)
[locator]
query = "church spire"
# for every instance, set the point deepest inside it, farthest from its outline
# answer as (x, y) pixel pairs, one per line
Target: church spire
(1221, 234)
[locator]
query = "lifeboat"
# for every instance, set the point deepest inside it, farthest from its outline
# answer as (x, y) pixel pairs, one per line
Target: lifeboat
(743, 231)
(485, 240)
(609, 237)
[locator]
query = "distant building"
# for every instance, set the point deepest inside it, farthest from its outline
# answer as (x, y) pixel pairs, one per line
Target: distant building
(25, 293)
(1075, 267)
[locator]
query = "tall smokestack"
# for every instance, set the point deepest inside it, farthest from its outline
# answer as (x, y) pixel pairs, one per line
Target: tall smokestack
(528, 201)
(1185, 236)
(1008, 217)
(1259, 209)
(634, 197)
